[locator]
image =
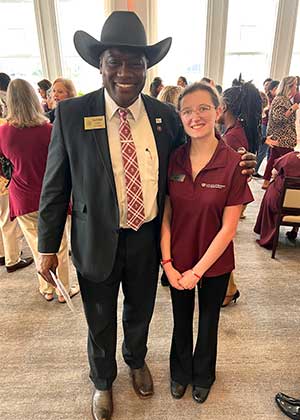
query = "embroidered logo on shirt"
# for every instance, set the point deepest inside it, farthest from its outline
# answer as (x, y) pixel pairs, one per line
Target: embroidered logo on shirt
(214, 186)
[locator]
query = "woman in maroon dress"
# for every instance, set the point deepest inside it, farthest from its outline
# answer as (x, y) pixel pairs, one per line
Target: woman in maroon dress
(24, 141)
(241, 116)
(287, 165)
(281, 131)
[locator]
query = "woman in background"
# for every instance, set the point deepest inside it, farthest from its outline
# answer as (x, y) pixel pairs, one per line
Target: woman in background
(43, 88)
(24, 140)
(286, 166)
(182, 82)
(281, 130)
(61, 89)
(271, 89)
(170, 95)
(156, 86)
(241, 116)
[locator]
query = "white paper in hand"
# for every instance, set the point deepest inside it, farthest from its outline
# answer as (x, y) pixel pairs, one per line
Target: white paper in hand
(63, 291)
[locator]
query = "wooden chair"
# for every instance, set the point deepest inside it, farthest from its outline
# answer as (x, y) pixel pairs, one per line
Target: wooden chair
(289, 210)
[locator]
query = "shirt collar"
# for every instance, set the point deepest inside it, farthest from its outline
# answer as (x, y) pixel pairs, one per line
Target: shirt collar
(218, 159)
(236, 125)
(111, 107)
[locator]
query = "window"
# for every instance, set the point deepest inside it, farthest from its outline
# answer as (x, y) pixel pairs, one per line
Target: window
(249, 42)
(76, 15)
(295, 63)
(186, 23)
(19, 53)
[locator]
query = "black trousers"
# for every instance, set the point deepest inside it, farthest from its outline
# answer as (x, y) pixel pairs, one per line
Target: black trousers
(136, 268)
(196, 366)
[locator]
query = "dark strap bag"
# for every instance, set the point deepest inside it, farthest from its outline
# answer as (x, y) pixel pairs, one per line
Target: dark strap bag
(7, 168)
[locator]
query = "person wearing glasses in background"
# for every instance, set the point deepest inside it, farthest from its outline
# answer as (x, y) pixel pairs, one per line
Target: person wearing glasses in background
(206, 194)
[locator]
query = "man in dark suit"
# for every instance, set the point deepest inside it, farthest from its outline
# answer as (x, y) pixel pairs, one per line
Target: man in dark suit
(87, 158)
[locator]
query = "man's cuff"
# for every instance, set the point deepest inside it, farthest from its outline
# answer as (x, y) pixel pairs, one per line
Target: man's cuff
(47, 253)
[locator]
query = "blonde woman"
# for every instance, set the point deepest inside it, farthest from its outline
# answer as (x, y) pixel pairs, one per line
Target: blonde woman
(281, 130)
(24, 140)
(61, 89)
(170, 94)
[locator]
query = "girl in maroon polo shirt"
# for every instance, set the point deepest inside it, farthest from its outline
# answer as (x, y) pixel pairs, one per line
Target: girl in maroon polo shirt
(206, 194)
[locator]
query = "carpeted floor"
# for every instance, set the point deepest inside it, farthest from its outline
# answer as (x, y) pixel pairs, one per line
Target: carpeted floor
(44, 370)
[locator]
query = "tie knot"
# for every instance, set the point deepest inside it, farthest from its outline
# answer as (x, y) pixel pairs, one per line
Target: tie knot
(123, 113)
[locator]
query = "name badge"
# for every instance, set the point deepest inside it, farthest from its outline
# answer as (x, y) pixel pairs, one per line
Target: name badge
(94, 123)
(177, 177)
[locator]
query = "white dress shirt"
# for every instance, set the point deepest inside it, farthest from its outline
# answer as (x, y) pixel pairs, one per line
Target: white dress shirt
(146, 151)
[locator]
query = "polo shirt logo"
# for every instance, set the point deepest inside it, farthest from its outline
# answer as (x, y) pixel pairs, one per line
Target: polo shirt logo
(214, 186)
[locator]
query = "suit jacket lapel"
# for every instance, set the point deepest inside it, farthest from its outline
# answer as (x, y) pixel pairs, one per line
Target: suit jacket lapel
(96, 108)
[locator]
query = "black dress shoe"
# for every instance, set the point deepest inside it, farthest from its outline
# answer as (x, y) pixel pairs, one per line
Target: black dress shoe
(2, 260)
(177, 390)
(290, 410)
(142, 382)
(164, 280)
(200, 394)
(290, 400)
(24, 262)
(291, 235)
(102, 405)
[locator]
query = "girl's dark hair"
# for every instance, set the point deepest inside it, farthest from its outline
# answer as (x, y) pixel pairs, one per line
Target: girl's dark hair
(155, 84)
(238, 82)
(244, 102)
(200, 86)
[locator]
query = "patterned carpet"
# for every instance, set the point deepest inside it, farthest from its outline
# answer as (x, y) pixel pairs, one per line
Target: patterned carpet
(44, 370)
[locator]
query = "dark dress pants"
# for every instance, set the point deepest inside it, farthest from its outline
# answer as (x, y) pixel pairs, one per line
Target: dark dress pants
(197, 367)
(136, 268)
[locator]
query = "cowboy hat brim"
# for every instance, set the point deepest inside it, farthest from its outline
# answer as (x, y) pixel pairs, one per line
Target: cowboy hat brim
(90, 49)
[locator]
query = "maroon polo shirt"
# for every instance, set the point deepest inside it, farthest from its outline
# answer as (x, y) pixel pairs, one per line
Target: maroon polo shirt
(235, 136)
(197, 206)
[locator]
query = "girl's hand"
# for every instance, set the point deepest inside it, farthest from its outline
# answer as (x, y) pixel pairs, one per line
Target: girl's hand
(173, 276)
(188, 280)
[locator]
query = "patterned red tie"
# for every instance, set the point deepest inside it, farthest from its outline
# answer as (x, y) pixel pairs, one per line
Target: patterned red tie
(134, 193)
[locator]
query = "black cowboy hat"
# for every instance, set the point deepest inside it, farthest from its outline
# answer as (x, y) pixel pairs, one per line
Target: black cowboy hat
(121, 29)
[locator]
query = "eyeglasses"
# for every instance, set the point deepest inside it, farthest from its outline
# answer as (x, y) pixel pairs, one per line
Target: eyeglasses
(201, 109)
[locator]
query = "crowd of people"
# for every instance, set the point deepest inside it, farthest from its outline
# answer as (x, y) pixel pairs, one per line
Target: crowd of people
(165, 179)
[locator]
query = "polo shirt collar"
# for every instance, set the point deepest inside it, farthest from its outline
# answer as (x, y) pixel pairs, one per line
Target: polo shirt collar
(218, 160)
(111, 107)
(237, 124)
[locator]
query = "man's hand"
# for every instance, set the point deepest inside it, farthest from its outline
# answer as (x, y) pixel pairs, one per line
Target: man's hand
(248, 161)
(47, 263)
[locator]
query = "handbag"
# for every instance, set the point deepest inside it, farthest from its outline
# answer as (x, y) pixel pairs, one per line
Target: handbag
(7, 168)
